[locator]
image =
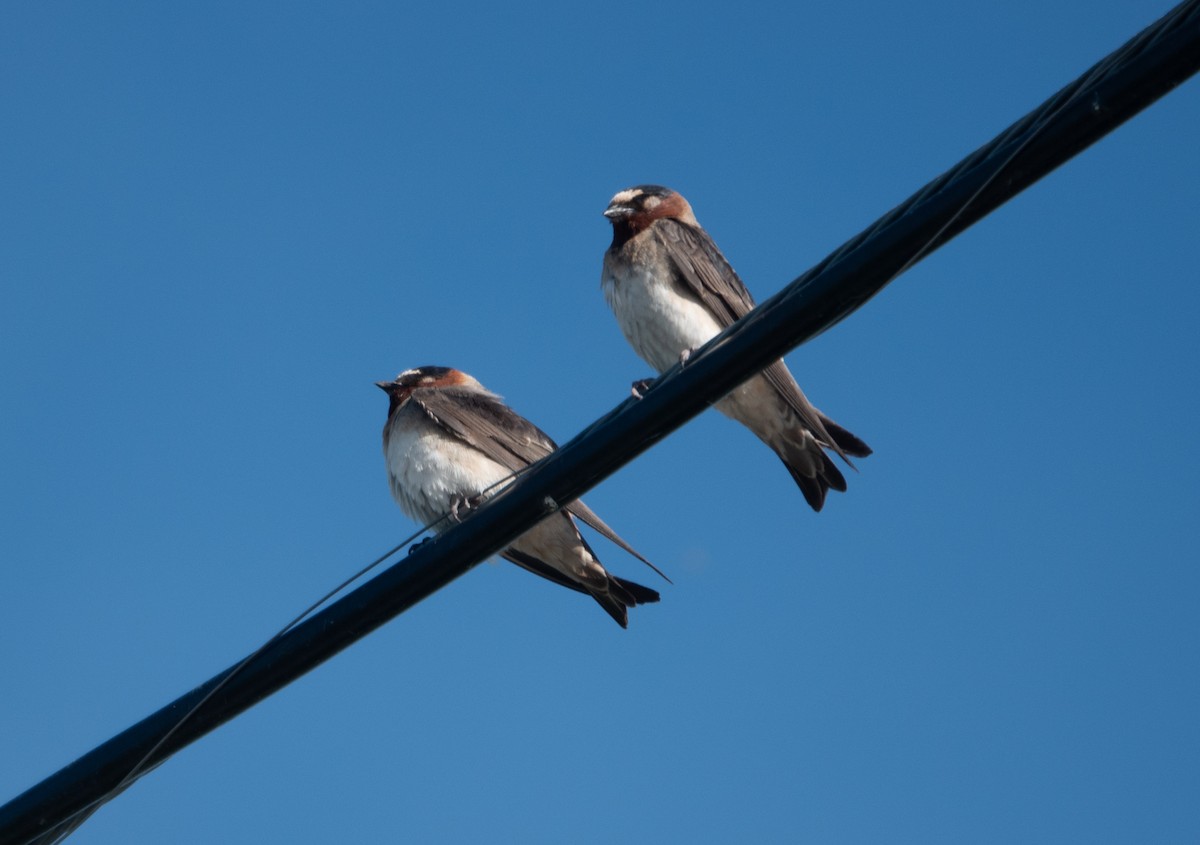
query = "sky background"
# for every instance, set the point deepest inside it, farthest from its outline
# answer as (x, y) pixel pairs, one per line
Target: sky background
(222, 222)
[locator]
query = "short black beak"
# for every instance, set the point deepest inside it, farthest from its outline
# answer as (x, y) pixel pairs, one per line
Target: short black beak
(615, 212)
(385, 386)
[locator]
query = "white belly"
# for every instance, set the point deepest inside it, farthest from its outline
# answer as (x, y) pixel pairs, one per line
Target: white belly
(428, 468)
(658, 321)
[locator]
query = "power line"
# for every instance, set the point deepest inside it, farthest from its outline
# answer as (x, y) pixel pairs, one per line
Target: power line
(1116, 88)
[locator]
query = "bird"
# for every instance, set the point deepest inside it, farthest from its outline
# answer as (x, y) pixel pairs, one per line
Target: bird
(672, 290)
(449, 442)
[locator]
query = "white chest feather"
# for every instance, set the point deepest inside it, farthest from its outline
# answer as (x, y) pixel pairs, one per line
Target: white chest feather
(427, 468)
(658, 320)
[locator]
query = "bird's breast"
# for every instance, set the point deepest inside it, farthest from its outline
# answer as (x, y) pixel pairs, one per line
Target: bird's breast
(659, 318)
(428, 467)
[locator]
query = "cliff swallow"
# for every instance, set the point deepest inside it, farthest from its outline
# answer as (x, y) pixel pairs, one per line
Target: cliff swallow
(672, 290)
(450, 442)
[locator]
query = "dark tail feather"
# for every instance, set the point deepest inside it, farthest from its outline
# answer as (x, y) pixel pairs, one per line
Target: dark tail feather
(621, 596)
(815, 487)
(621, 593)
(828, 476)
(847, 442)
(632, 593)
(613, 607)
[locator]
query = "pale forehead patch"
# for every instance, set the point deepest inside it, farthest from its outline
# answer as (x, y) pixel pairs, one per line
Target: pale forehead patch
(626, 195)
(426, 378)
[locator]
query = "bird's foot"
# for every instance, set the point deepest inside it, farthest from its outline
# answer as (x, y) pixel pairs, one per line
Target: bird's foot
(684, 356)
(460, 506)
(416, 546)
(639, 387)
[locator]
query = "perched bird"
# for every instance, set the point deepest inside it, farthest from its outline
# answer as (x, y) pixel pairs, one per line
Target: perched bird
(449, 442)
(672, 290)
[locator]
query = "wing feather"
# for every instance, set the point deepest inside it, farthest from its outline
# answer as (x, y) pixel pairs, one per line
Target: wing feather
(712, 279)
(483, 421)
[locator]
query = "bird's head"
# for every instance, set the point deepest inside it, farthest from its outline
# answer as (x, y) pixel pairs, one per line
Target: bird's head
(634, 209)
(421, 378)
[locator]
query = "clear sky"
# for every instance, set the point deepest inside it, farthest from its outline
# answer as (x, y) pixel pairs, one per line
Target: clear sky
(220, 223)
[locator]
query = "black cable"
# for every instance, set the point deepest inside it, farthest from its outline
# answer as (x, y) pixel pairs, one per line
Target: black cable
(150, 760)
(1127, 81)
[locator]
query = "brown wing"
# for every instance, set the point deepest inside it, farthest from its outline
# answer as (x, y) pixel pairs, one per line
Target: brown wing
(711, 279)
(704, 270)
(485, 422)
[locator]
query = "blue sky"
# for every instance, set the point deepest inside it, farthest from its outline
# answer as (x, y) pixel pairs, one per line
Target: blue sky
(222, 222)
